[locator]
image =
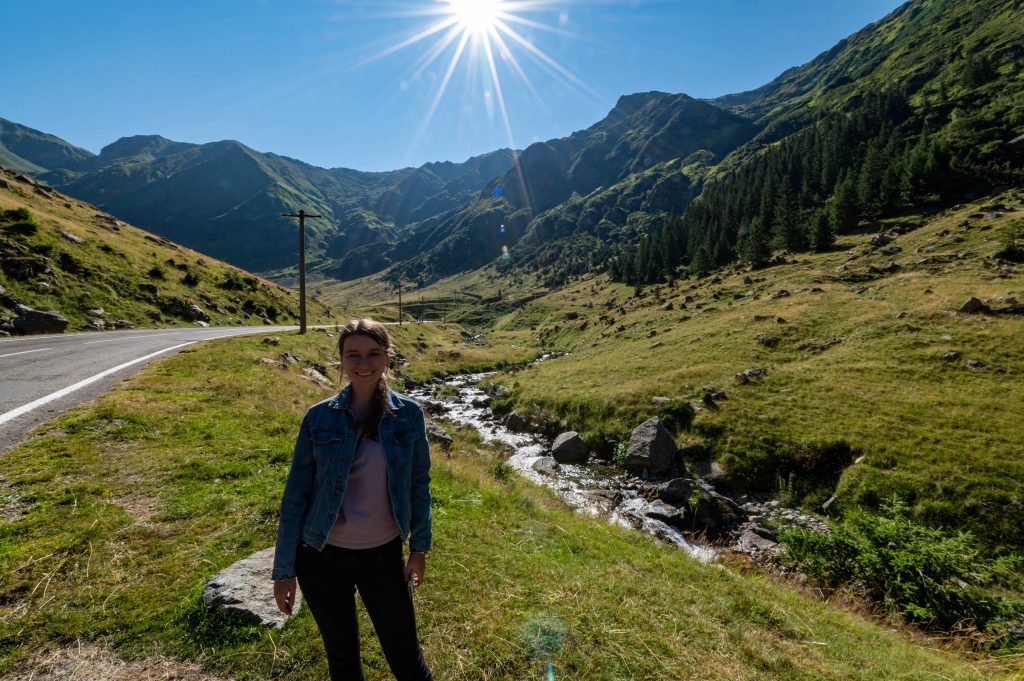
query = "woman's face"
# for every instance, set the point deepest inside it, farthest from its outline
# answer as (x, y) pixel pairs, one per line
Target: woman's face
(363, 360)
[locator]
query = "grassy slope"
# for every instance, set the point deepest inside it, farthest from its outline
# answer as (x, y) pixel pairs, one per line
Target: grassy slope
(119, 511)
(115, 259)
(946, 437)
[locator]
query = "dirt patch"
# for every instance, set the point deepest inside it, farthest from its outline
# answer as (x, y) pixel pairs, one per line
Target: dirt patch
(94, 663)
(139, 508)
(11, 504)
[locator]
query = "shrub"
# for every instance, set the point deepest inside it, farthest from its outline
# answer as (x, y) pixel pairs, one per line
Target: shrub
(808, 470)
(190, 279)
(156, 272)
(937, 580)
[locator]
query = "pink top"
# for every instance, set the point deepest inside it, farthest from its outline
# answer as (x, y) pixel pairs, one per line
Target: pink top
(366, 519)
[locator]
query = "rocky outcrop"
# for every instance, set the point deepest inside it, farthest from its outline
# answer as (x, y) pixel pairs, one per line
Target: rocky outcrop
(30, 321)
(246, 590)
(569, 447)
(438, 436)
(651, 449)
(179, 307)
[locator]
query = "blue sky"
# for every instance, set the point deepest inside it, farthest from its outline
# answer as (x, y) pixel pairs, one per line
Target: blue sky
(299, 78)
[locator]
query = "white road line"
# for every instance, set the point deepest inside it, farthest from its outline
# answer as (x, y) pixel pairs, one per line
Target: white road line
(23, 352)
(111, 340)
(25, 408)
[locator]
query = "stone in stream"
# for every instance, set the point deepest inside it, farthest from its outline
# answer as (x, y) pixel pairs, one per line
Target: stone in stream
(651, 448)
(545, 465)
(517, 422)
(569, 447)
(666, 513)
(676, 491)
(245, 589)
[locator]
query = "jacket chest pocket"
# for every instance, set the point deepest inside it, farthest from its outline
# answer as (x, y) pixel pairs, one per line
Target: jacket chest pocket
(401, 445)
(328, 447)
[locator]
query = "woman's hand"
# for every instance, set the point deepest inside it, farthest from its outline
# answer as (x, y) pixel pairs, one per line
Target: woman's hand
(284, 594)
(415, 568)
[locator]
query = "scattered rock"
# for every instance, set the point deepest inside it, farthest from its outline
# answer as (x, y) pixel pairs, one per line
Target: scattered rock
(781, 293)
(43, 193)
(744, 376)
(763, 317)
(668, 305)
(750, 540)
(317, 376)
(94, 325)
(902, 314)
(72, 238)
(179, 307)
(651, 448)
(975, 365)
(766, 340)
(272, 340)
(660, 399)
(952, 356)
(289, 358)
(569, 447)
(973, 306)
(656, 345)
(747, 281)
(244, 589)
(123, 324)
(880, 240)
(202, 263)
(888, 268)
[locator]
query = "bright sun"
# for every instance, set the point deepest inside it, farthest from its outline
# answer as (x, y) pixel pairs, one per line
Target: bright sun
(476, 16)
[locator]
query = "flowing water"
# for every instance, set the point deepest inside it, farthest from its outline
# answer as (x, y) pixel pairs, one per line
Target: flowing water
(590, 489)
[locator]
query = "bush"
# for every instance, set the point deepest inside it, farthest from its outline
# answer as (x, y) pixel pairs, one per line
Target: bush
(157, 272)
(940, 581)
(190, 279)
(808, 470)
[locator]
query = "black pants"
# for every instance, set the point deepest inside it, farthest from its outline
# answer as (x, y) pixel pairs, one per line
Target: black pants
(329, 579)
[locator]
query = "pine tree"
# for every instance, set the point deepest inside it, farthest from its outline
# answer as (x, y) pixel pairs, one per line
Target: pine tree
(821, 235)
(844, 210)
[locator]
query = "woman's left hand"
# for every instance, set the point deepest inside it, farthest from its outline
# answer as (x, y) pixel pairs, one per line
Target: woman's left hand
(415, 568)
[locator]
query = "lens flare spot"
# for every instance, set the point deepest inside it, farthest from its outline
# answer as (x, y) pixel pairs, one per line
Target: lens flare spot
(502, 229)
(498, 191)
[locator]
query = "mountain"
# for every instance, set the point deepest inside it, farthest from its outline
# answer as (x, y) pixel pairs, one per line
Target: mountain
(924, 108)
(227, 199)
(30, 151)
(57, 253)
(577, 194)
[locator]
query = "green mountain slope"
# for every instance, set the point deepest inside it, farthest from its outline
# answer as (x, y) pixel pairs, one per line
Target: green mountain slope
(57, 253)
(227, 200)
(26, 150)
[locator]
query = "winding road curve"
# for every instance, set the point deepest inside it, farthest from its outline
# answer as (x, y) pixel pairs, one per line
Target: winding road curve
(43, 376)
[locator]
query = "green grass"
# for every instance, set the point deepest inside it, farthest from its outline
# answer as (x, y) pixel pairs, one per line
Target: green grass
(120, 510)
(845, 369)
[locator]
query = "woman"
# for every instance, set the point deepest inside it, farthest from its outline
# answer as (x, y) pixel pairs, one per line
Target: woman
(358, 488)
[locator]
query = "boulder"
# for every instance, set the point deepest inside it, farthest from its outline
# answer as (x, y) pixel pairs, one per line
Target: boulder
(94, 325)
(123, 324)
(952, 356)
(972, 306)
(880, 240)
(518, 422)
(666, 513)
(245, 589)
(545, 465)
(438, 436)
(272, 340)
(72, 238)
(569, 447)
(30, 321)
(651, 448)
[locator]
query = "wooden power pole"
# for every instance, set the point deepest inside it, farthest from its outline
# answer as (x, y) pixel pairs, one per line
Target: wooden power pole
(302, 215)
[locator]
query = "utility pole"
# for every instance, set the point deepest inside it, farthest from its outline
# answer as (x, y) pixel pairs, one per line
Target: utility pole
(302, 215)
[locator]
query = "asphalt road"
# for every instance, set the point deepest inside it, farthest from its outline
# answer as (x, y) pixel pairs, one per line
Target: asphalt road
(43, 376)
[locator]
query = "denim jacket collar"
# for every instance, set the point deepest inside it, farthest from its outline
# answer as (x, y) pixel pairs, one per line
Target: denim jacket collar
(340, 401)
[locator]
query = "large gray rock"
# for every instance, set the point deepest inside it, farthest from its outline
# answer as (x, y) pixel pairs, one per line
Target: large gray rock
(518, 422)
(972, 306)
(179, 307)
(569, 447)
(29, 320)
(651, 448)
(245, 589)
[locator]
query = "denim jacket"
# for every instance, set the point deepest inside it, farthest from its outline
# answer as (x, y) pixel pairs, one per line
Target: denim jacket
(319, 471)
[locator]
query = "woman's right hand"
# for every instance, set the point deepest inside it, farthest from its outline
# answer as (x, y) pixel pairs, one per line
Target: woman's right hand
(284, 594)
